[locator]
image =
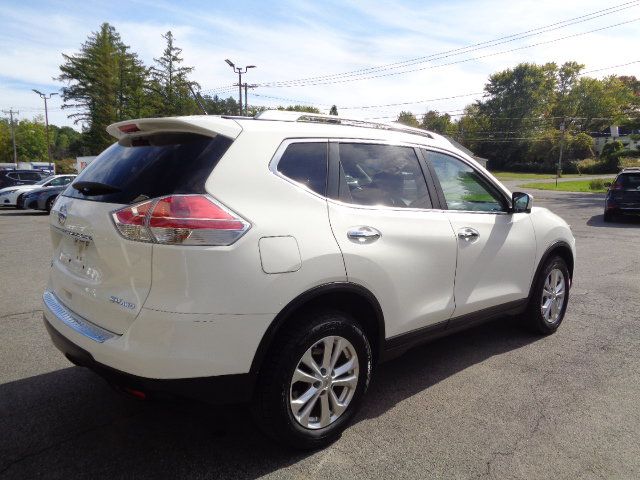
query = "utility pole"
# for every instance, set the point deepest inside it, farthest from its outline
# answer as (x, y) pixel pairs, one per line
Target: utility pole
(46, 123)
(246, 102)
(561, 149)
(239, 71)
(13, 135)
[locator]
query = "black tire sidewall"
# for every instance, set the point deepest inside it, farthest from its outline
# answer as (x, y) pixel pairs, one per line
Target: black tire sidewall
(326, 324)
(536, 317)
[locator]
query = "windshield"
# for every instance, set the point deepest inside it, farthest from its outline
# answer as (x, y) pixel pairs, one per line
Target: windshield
(45, 180)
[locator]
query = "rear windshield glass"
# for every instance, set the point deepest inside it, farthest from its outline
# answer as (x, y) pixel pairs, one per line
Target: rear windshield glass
(152, 166)
(630, 180)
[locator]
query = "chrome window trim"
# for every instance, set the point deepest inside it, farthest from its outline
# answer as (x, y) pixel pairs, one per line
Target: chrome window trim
(76, 322)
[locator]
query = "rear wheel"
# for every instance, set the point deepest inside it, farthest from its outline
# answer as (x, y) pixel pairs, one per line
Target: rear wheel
(312, 383)
(548, 302)
(608, 216)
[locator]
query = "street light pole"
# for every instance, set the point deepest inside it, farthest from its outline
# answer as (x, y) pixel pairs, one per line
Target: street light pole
(239, 71)
(46, 123)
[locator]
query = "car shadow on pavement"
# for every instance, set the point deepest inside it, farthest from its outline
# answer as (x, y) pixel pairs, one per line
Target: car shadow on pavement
(619, 221)
(70, 423)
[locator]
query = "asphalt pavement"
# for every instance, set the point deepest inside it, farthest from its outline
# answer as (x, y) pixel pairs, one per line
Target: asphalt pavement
(491, 402)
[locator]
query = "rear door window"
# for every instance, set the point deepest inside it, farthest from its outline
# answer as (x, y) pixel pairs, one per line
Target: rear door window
(139, 168)
(306, 163)
(382, 175)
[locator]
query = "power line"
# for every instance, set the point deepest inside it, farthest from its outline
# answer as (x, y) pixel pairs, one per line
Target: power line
(465, 60)
(446, 53)
(462, 50)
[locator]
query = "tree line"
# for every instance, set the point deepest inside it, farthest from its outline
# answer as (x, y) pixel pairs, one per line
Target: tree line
(528, 112)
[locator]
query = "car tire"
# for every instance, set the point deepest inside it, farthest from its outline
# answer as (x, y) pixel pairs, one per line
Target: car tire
(49, 205)
(19, 204)
(608, 216)
(549, 297)
(322, 409)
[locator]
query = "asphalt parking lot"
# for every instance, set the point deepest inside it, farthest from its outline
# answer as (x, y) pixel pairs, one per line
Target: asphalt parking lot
(492, 402)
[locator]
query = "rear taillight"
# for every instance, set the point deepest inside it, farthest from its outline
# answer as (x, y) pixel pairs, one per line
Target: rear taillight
(616, 186)
(180, 220)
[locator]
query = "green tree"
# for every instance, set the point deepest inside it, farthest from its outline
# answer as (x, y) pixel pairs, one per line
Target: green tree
(31, 140)
(601, 103)
(103, 83)
(300, 108)
(518, 99)
(333, 110)
(6, 146)
(215, 105)
(169, 86)
(408, 118)
(439, 123)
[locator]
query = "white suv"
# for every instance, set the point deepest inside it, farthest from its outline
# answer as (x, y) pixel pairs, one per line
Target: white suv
(276, 259)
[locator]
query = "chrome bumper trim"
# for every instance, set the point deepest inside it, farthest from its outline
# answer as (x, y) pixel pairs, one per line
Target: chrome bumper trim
(77, 323)
(77, 235)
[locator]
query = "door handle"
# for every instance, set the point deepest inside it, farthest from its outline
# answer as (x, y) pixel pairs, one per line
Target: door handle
(363, 234)
(468, 234)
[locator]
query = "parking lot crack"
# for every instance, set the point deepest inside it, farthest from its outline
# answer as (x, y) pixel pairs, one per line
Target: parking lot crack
(29, 312)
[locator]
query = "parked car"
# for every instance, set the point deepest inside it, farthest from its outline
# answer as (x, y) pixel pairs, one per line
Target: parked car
(10, 196)
(276, 260)
(623, 195)
(9, 178)
(41, 198)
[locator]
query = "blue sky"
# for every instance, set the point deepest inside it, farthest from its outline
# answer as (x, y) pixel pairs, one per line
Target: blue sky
(298, 39)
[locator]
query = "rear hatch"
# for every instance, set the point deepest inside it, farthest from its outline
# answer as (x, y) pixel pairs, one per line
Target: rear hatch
(96, 272)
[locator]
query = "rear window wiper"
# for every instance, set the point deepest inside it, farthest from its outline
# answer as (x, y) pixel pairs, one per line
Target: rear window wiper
(94, 188)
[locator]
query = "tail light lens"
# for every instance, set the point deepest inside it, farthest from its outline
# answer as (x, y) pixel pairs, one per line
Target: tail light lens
(616, 186)
(180, 220)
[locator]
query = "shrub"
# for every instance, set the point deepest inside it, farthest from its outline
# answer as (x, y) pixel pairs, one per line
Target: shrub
(596, 184)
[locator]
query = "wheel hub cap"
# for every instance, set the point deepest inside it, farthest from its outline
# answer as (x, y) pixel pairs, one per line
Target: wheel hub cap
(324, 382)
(553, 296)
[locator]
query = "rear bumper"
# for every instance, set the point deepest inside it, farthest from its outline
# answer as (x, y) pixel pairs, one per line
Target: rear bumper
(200, 356)
(222, 389)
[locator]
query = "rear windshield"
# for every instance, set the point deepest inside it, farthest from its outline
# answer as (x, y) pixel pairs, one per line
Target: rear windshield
(630, 180)
(152, 166)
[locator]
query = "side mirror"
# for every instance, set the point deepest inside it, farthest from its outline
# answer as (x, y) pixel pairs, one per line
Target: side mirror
(607, 184)
(521, 202)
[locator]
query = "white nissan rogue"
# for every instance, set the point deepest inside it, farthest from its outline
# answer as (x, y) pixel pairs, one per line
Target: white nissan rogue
(275, 260)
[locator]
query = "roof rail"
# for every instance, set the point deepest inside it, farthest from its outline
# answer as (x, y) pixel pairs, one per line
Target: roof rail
(631, 169)
(286, 116)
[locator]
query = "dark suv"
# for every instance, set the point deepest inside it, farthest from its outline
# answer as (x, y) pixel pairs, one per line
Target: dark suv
(623, 196)
(9, 178)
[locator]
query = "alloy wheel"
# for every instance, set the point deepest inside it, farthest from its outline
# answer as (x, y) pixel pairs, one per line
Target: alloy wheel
(324, 382)
(553, 296)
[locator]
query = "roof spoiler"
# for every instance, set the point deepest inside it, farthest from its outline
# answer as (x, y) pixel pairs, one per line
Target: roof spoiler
(209, 125)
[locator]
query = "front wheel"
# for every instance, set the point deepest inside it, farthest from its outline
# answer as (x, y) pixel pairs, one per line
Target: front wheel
(550, 296)
(312, 382)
